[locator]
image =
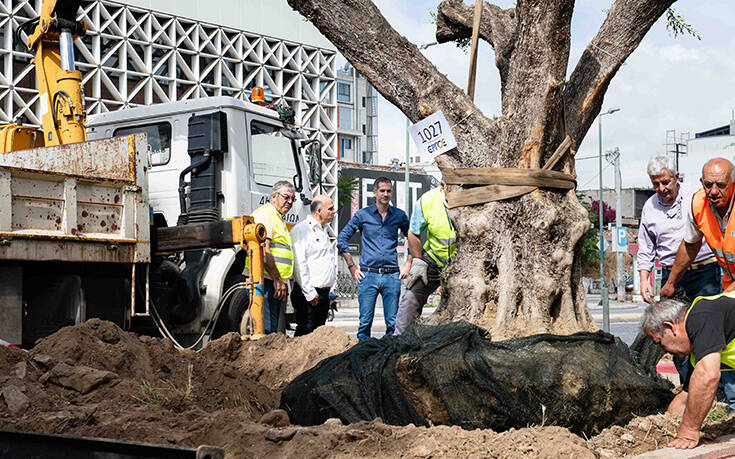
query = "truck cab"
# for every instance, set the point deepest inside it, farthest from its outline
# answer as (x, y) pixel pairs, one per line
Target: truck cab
(259, 149)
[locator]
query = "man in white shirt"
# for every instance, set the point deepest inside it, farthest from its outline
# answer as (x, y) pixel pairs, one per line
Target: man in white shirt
(315, 268)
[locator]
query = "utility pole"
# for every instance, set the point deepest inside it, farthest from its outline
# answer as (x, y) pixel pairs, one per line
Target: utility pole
(603, 293)
(614, 157)
(406, 177)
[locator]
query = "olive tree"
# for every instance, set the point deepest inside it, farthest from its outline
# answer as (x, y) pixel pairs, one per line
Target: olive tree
(518, 268)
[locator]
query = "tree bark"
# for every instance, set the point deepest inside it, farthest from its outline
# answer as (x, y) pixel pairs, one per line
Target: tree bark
(518, 270)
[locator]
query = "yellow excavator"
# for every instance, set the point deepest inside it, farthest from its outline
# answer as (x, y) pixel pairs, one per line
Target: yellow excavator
(51, 40)
(61, 94)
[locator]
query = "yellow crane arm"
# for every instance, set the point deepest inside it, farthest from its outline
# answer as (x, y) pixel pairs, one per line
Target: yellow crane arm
(61, 94)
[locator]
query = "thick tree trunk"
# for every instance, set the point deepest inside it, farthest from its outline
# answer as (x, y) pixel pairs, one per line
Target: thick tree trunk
(517, 271)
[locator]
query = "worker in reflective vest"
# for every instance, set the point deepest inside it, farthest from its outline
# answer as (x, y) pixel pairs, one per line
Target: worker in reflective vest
(709, 217)
(704, 331)
(278, 253)
(431, 213)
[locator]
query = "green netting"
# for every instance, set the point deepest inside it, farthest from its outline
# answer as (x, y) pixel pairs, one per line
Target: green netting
(454, 374)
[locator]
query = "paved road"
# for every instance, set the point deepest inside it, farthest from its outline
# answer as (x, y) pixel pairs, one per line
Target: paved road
(624, 317)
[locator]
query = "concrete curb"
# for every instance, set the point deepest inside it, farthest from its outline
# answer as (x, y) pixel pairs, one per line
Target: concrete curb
(723, 447)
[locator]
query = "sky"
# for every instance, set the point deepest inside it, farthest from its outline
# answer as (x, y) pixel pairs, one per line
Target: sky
(668, 83)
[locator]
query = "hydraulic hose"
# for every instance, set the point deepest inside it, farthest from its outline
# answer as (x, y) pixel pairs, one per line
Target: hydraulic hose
(182, 184)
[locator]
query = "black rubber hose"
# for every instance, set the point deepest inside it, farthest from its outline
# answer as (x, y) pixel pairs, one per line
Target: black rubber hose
(182, 183)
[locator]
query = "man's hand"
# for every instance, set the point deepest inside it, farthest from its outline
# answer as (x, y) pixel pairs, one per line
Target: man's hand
(357, 274)
(281, 289)
(403, 272)
(647, 292)
(314, 301)
(667, 290)
(685, 439)
(419, 270)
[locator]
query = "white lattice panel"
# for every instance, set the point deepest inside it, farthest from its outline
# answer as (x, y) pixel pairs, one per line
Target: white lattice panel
(132, 56)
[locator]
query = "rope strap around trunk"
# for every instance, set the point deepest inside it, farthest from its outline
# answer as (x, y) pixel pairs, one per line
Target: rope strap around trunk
(505, 183)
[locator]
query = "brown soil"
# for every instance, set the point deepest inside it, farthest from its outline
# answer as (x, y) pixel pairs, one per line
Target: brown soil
(96, 380)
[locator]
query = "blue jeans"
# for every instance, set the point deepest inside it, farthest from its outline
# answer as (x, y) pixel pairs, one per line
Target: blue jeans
(704, 281)
(727, 381)
(389, 287)
(271, 306)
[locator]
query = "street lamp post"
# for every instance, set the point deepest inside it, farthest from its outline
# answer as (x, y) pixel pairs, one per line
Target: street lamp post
(600, 204)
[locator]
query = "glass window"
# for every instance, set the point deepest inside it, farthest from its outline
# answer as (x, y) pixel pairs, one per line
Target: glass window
(159, 140)
(345, 118)
(345, 147)
(273, 156)
(344, 93)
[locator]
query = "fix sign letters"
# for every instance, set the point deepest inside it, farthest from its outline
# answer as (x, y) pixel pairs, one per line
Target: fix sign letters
(432, 135)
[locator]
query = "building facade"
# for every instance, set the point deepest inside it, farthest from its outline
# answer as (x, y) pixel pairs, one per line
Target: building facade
(357, 117)
(715, 142)
(633, 200)
(147, 52)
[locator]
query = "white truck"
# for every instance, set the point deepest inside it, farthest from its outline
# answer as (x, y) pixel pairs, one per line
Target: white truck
(81, 224)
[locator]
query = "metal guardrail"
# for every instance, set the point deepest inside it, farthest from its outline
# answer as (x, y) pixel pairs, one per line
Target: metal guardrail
(14, 444)
(346, 287)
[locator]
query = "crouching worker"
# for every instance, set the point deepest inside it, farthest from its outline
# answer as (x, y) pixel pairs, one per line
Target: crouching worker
(704, 331)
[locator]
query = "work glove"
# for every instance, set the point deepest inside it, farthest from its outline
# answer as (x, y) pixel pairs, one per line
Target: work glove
(419, 270)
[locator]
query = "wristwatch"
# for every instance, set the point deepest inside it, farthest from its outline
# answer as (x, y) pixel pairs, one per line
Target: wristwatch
(350, 266)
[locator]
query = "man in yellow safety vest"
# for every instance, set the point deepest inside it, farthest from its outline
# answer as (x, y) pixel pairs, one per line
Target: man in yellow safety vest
(704, 332)
(430, 213)
(278, 252)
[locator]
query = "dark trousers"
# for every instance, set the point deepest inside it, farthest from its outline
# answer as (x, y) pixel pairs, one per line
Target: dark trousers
(413, 300)
(704, 281)
(309, 317)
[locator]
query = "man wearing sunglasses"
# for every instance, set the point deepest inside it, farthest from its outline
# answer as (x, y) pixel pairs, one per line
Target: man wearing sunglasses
(277, 254)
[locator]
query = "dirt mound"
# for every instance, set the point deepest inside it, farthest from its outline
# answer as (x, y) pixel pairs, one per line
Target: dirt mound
(96, 380)
(275, 360)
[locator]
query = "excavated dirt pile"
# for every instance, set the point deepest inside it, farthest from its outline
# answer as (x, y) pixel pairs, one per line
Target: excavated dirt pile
(96, 380)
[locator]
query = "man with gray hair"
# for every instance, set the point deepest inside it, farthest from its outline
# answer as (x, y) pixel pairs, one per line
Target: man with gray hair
(705, 333)
(709, 218)
(277, 253)
(315, 268)
(663, 219)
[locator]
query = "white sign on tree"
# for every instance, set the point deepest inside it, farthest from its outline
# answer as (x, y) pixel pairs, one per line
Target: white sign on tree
(432, 135)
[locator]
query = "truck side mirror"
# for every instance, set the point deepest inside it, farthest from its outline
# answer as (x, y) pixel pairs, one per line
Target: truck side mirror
(313, 148)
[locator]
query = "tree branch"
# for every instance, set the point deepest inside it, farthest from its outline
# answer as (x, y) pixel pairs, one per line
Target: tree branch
(398, 70)
(454, 22)
(627, 22)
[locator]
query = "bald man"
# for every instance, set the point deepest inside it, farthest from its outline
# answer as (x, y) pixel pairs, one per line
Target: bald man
(709, 217)
(314, 266)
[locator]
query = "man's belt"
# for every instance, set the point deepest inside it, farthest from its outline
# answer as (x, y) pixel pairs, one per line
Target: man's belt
(379, 270)
(701, 264)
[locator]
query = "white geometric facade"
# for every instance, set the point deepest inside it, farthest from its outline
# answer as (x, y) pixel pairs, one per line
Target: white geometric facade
(133, 56)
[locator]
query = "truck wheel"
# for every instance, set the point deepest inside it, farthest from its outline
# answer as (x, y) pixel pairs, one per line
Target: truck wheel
(233, 314)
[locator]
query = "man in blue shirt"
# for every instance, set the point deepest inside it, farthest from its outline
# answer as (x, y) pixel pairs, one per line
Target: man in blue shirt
(378, 271)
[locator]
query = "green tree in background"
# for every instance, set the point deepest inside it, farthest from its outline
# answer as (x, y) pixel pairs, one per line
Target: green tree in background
(346, 185)
(590, 251)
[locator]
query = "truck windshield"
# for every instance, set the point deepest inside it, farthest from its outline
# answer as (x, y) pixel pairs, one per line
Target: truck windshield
(159, 140)
(273, 154)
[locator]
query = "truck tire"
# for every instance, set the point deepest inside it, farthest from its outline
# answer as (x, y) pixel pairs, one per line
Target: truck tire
(234, 311)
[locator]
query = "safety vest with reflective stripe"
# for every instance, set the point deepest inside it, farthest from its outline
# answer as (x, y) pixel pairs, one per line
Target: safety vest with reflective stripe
(281, 245)
(441, 243)
(727, 356)
(723, 248)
